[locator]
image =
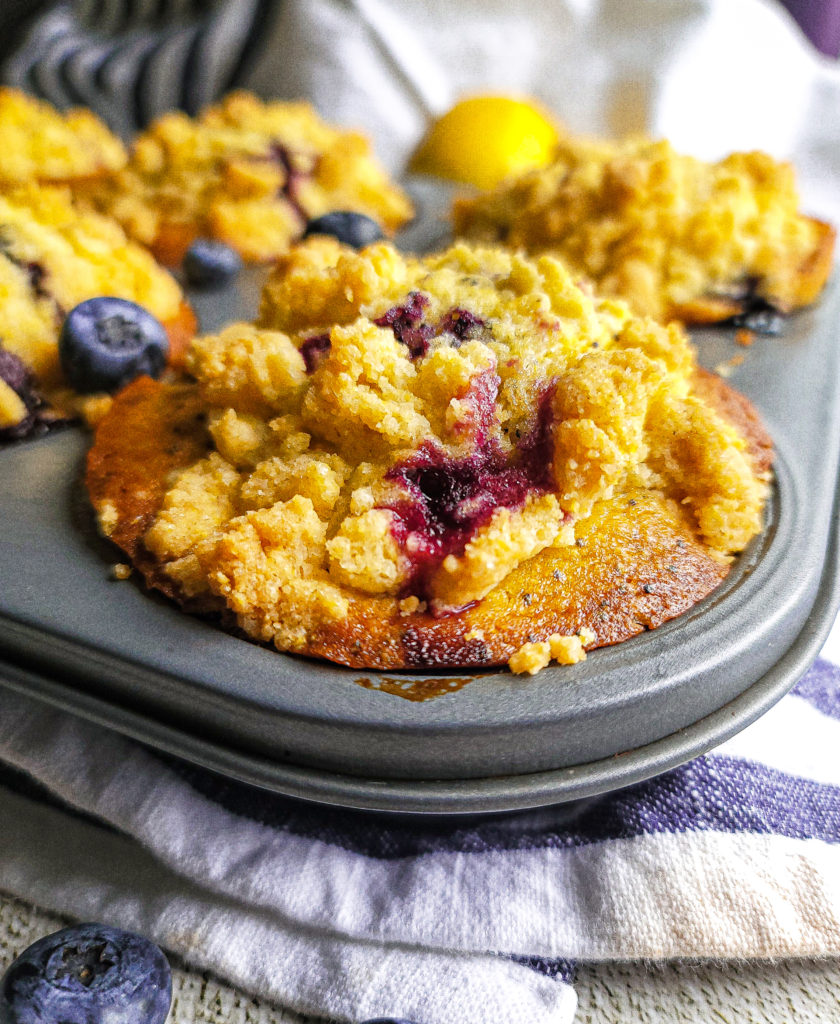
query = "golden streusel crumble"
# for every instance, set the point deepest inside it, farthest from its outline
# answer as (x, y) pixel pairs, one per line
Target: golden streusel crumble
(413, 430)
(54, 255)
(247, 173)
(674, 236)
(41, 144)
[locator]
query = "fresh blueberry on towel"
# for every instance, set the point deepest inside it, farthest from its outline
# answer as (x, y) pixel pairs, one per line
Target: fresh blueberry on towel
(350, 228)
(387, 1020)
(87, 974)
(210, 264)
(106, 342)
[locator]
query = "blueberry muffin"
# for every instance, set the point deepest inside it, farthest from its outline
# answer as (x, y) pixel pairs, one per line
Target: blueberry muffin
(461, 460)
(247, 173)
(52, 257)
(674, 236)
(40, 144)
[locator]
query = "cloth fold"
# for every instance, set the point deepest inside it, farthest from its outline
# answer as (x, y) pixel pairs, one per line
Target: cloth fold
(349, 916)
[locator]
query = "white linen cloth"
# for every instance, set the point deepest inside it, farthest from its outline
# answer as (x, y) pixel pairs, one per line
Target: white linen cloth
(736, 854)
(348, 917)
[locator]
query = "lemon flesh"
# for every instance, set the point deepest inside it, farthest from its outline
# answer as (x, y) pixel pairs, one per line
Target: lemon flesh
(485, 139)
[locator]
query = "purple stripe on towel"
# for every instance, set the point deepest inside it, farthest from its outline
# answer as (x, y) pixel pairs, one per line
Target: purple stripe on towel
(821, 687)
(558, 970)
(711, 793)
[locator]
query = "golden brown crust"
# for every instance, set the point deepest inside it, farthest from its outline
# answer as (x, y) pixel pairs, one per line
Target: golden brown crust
(740, 412)
(636, 566)
(171, 243)
(808, 280)
(180, 330)
(637, 562)
(813, 272)
(153, 429)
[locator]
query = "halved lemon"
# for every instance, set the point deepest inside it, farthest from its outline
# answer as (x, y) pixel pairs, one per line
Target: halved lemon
(484, 139)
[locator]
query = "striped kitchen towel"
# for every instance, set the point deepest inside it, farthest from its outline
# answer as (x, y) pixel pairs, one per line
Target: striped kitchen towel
(348, 916)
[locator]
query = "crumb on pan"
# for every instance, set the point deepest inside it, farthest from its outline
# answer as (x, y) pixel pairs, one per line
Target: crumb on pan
(565, 650)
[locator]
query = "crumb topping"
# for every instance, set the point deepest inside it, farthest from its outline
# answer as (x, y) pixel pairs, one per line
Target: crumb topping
(248, 173)
(424, 478)
(54, 255)
(42, 144)
(662, 230)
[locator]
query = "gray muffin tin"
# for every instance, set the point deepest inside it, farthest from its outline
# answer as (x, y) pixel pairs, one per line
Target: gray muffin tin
(110, 651)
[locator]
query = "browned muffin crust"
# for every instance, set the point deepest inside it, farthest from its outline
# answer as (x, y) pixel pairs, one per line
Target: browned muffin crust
(637, 561)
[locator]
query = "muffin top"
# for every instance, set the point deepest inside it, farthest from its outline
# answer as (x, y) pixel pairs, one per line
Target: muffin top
(54, 255)
(398, 436)
(41, 144)
(247, 173)
(674, 236)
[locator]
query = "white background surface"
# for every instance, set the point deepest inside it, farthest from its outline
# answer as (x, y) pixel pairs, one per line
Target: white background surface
(711, 75)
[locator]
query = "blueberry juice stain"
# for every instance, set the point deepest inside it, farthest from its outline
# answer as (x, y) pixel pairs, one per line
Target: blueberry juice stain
(447, 499)
(406, 321)
(410, 329)
(313, 350)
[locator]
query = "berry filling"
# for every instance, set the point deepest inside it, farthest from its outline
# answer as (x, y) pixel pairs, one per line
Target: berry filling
(313, 349)
(478, 407)
(460, 323)
(15, 373)
(406, 321)
(760, 316)
(756, 313)
(289, 189)
(35, 272)
(39, 418)
(447, 499)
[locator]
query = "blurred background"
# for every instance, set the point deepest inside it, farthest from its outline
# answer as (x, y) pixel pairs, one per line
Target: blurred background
(712, 76)
(131, 59)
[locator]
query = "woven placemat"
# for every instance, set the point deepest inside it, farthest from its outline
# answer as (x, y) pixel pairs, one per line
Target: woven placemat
(800, 991)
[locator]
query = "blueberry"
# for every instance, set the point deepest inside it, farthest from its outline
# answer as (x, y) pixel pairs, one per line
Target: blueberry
(387, 1020)
(210, 264)
(106, 342)
(87, 974)
(351, 228)
(762, 320)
